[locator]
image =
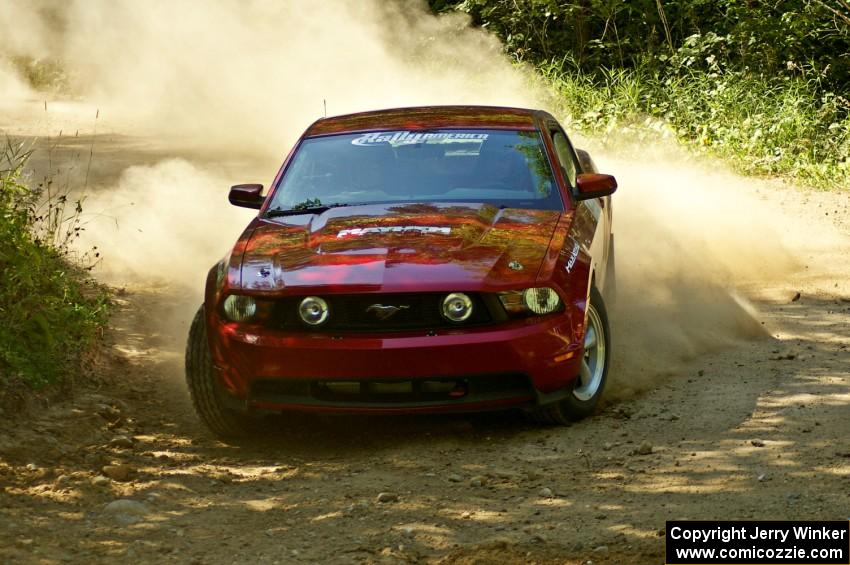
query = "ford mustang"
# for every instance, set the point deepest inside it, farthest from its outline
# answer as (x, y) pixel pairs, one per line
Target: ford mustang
(428, 259)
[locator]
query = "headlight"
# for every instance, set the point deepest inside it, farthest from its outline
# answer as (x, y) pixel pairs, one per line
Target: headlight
(238, 308)
(314, 311)
(541, 300)
(457, 307)
(538, 301)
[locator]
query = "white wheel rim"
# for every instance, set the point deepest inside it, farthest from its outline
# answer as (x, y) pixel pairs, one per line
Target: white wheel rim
(593, 362)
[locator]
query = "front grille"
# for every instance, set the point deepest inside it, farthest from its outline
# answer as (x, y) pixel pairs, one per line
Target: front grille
(409, 392)
(351, 313)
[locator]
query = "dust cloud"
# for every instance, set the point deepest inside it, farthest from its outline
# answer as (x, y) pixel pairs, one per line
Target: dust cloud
(159, 219)
(250, 76)
(692, 240)
(231, 79)
(13, 88)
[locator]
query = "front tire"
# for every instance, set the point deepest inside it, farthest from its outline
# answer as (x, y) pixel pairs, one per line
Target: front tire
(205, 389)
(588, 386)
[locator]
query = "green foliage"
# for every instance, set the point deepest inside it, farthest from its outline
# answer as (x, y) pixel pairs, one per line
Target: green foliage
(762, 84)
(761, 127)
(778, 37)
(51, 312)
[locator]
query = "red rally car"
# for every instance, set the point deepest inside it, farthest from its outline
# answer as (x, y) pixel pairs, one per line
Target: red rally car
(423, 259)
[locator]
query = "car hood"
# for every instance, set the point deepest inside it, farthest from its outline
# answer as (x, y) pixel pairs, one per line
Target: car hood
(399, 247)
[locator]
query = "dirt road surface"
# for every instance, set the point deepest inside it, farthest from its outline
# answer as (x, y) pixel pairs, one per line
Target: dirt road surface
(122, 471)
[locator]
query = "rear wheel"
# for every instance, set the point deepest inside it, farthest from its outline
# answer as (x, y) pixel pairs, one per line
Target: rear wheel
(588, 387)
(206, 392)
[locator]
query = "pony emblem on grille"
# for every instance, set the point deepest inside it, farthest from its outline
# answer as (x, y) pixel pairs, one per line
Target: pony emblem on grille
(385, 311)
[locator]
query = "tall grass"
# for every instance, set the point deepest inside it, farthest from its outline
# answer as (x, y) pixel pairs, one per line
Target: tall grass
(786, 127)
(52, 312)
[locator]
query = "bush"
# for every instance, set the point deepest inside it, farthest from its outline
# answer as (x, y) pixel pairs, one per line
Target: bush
(763, 37)
(51, 311)
(46, 75)
(761, 126)
(761, 84)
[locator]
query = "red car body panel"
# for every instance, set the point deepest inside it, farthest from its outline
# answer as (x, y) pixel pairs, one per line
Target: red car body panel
(319, 254)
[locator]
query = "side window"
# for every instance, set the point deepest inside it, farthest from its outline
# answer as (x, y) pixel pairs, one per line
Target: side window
(565, 155)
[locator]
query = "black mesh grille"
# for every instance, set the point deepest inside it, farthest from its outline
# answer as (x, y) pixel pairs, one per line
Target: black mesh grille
(363, 313)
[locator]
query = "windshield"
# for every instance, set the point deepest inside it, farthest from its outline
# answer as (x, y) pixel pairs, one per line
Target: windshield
(504, 168)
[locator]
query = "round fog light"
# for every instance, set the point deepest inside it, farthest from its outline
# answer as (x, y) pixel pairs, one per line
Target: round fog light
(541, 300)
(314, 310)
(238, 308)
(457, 307)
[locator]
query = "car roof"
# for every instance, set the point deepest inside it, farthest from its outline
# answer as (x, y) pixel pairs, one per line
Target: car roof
(426, 117)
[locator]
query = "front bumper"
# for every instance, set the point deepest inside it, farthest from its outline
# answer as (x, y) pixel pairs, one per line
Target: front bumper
(522, 362)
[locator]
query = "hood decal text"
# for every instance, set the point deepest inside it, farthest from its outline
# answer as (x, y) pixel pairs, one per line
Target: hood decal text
(395, 229)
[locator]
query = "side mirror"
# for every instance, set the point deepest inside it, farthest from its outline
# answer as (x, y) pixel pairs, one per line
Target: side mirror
(593, 185)
(246, 195)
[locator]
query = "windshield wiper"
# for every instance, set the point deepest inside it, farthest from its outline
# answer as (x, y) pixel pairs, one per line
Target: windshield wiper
(318, 209)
